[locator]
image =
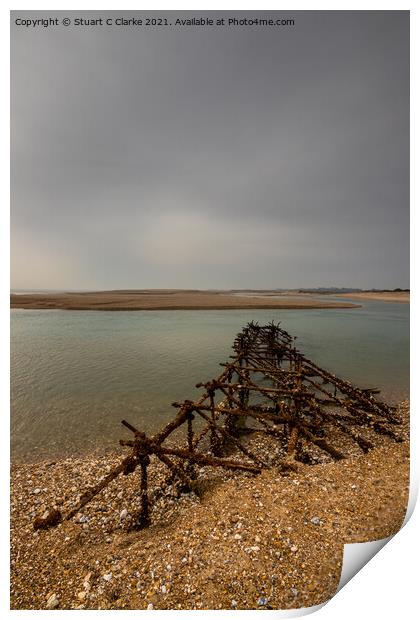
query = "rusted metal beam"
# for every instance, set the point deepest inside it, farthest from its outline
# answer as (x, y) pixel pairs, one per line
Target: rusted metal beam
(292, 410)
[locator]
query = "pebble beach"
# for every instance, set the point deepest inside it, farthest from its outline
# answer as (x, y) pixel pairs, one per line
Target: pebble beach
(271, 541)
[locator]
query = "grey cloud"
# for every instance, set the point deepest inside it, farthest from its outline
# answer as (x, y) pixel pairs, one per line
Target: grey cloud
(212, 158)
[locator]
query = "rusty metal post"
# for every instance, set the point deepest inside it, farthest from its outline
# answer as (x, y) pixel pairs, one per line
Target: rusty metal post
(143, 519)
(230, 420)
(214, 439)
(190, 469)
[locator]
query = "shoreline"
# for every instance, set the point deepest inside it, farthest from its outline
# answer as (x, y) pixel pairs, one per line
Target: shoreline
(170, 300)
(270, 541)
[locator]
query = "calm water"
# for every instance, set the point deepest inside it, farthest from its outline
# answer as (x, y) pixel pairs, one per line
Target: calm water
(76, 374)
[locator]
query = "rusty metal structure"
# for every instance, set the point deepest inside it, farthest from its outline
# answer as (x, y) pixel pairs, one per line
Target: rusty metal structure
(268, 389)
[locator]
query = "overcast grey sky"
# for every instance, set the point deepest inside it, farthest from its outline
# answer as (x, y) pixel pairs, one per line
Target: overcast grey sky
(211, 157)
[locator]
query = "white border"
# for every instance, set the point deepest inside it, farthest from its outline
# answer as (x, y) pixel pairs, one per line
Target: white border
(386, 587)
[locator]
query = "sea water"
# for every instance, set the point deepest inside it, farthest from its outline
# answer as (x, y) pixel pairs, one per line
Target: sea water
(76, 374)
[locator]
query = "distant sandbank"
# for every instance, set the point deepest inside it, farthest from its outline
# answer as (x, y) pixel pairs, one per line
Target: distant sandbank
(149, 299)
(400, 296)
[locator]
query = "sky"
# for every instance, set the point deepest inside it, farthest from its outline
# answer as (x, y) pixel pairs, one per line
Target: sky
(210, 157)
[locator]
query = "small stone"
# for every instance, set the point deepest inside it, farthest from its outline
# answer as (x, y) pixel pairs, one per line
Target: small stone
(150, 606)
(107, 577)
(81, 595)
(81, 518)
(233, 603)
(52, 602)
(163, 589)
(255, 548)
(36, 491)
(262, 601)
(237, 537)
(316, 521)
(123, 514)
(293, 549)
(257, 539)
(294, 591)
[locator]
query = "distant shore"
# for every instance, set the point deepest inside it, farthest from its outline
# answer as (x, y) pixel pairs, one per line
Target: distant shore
(394, 296)
(172, 300)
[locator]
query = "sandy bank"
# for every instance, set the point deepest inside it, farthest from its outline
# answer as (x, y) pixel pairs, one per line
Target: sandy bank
(395, 296)
(166, 300)
(267, 541)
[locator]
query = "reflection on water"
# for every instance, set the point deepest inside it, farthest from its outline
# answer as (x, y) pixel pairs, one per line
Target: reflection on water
(76, 374)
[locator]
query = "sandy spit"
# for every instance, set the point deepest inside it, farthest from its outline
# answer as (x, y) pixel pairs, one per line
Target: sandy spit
(395, 296)
(166, 300)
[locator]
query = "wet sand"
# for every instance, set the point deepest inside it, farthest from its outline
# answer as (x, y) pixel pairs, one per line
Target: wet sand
(270, 541)
(169, 300)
